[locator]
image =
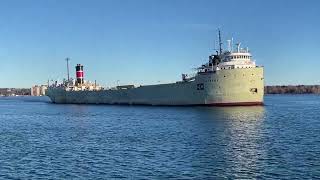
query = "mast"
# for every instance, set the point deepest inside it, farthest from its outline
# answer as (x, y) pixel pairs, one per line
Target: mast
(68, 59)
(220, 42)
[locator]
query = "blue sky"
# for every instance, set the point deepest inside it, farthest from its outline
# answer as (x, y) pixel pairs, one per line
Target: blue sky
(150, 41)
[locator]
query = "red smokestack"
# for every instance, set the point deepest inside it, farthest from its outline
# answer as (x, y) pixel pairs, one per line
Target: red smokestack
(79, 73)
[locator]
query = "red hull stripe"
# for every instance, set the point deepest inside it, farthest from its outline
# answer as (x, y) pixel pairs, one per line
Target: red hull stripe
(236, 104)
(211, 104)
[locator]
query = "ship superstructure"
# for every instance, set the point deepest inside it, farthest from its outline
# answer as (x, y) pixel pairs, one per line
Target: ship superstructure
(229, 77)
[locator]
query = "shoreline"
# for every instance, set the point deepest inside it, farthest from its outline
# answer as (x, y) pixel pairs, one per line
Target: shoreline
(292, 89)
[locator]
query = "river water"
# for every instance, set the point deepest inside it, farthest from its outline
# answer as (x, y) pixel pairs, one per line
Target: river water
(40, 140)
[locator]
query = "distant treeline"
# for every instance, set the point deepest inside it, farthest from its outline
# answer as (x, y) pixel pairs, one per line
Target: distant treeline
(14, 91)
(300, 89)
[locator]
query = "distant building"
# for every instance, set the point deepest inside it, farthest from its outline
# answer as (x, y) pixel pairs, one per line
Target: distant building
(43, 89)
(39, 90)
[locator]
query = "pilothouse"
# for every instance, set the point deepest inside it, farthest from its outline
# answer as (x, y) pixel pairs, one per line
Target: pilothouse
(229, 59)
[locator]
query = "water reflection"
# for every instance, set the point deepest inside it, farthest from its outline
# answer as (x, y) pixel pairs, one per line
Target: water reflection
(240, 135)
(237, 113)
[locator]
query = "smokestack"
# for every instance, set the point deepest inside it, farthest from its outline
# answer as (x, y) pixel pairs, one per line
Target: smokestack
(79, 74)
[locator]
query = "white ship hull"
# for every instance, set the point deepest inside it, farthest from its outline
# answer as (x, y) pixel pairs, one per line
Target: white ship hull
(223, 87)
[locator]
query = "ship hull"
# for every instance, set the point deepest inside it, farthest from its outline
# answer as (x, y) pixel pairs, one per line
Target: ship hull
(229, 87)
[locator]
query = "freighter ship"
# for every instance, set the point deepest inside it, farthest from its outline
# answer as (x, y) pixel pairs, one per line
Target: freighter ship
(230, 77)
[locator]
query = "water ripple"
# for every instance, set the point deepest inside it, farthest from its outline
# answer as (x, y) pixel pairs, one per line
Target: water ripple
(40, 140)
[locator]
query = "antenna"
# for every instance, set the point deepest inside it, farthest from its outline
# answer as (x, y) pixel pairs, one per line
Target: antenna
(68, 59)
(220, 43)
(229, 45)
(232, 44)
(238, 46)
